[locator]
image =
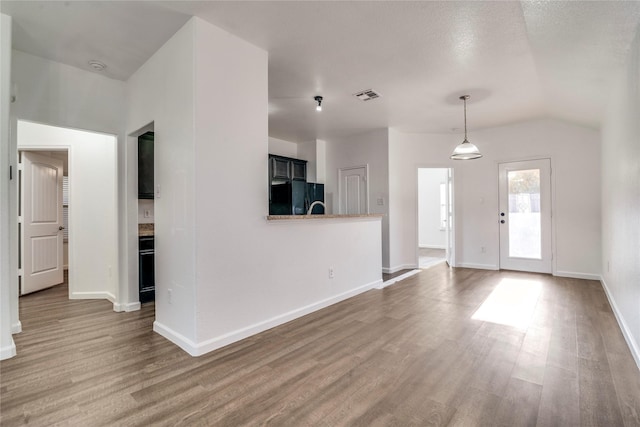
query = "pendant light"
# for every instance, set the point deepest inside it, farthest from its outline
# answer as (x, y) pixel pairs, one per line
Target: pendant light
(466, 150)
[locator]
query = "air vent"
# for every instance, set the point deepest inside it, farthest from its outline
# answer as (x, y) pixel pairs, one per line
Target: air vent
(367, 95)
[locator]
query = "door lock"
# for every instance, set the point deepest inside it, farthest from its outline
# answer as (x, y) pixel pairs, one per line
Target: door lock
(61, 228)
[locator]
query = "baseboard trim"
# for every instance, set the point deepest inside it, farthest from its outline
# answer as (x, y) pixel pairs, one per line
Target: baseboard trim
(431, 247)
(16, 328)
(626, 332)
(478, 266)
(7, 352)
(398, 268)
(198, 349)
(126, 307)
(93, 295)
(178, 339)
(574, 275)
(397, 279)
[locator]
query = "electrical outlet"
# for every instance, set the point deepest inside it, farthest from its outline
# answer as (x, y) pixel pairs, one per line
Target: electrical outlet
(380, 201)
(331, 273)
(147, 213)
(170, 296)
(483, 249)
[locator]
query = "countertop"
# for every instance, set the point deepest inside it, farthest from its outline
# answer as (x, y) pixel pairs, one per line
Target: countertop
(319, 217)
(145, 230)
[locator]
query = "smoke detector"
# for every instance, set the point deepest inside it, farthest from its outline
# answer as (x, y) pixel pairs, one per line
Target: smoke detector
(367, 95)
(97, 65)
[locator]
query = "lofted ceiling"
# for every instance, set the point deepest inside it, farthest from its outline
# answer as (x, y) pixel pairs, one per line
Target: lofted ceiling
(517, 60)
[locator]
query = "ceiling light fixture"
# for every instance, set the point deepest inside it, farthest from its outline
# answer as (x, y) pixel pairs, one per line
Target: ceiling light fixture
(319, 101)
(97, 65)
(466, 150)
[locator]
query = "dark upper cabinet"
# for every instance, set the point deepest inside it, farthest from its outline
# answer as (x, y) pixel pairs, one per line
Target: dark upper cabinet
(299, 170)
(145, 166)
(280, 168)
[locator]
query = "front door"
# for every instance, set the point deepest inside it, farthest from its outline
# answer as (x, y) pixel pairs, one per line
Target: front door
(354, 193)
(525, 215)
(42, 222)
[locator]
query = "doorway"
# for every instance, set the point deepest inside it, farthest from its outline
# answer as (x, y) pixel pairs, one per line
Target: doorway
(354, 190)
(525, 215)
(43, 225)
(435, 216)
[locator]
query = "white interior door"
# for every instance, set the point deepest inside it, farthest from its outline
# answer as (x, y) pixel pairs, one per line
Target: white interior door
(42, 222)
(525, 215)
(354, 193)
(450, 253)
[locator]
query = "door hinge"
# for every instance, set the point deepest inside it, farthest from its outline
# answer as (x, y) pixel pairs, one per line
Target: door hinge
(20, 272)
(20, 219)
(20, 166)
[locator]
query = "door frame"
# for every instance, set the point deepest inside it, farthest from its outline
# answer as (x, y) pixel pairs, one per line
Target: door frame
(366, 187)
(21, 218)
(552, 178)
(41, 149)
(452, 225)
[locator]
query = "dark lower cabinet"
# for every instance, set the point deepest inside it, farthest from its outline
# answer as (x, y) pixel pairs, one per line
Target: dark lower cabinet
(147, 279)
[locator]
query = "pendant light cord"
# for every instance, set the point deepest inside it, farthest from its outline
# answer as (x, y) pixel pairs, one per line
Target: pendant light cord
(465, 117)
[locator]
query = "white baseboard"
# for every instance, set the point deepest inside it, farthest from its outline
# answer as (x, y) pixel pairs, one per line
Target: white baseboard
(16, 328)
(398, 268)
(431, 247)
(478, 266)
(180, 340)
(126, 307)
(7, 352)
(574, 275)
(397, 279)
(626, 332)
(93, 295)
(198, 349)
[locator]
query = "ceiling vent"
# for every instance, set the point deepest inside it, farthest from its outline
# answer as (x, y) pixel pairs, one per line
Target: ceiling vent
(367, 95)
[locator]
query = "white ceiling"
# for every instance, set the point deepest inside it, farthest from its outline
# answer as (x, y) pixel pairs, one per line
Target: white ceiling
(517, 60)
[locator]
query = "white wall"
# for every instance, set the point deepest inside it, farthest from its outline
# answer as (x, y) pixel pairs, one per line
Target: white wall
(162, 92)
(368, 148)
(575, 189)
(430, 234)
(7, 189)
(231, 273)
(143, 206)
(621, 199)
(56, 94)
(93, 214)
(280, 147)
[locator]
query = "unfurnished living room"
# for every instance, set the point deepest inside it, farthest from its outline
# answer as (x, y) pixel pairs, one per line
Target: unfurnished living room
(321, 213)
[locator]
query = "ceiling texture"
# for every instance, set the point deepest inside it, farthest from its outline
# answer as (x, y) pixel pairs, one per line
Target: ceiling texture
(517, 60)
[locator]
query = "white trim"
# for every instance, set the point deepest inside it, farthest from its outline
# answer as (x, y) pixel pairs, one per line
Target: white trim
(626, 332)
(574, 275)
(16, 328)
(432, 246)
(478, 266)
(198, 349)
(397, 279)
(126, 307)
(180, 340)
(93, 295)
(8, 352)
(398, 268)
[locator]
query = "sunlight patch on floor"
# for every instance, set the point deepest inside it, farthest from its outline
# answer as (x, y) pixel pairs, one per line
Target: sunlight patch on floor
(511, 303)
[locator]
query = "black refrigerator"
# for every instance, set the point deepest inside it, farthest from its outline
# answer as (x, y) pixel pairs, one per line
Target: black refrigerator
(295, 197)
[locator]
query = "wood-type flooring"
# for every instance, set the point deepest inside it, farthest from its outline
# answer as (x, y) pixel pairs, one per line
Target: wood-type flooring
(409, 354)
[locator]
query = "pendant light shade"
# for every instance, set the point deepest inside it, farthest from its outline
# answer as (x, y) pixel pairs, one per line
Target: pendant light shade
(466, 150)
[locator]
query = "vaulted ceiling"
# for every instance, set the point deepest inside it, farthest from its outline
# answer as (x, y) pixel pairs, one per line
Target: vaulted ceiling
(517, 60)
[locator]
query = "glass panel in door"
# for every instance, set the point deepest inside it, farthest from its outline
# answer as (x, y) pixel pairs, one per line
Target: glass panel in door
(525, 235)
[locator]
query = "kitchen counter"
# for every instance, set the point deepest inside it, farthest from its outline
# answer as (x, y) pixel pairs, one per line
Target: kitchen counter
(145, 230)
(320, 217)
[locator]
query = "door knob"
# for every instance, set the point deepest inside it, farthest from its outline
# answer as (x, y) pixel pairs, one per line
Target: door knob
(61, 228)
(502, 221)
(501, 213)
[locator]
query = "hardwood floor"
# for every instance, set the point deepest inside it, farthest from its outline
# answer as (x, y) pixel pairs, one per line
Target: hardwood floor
(407, 355)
